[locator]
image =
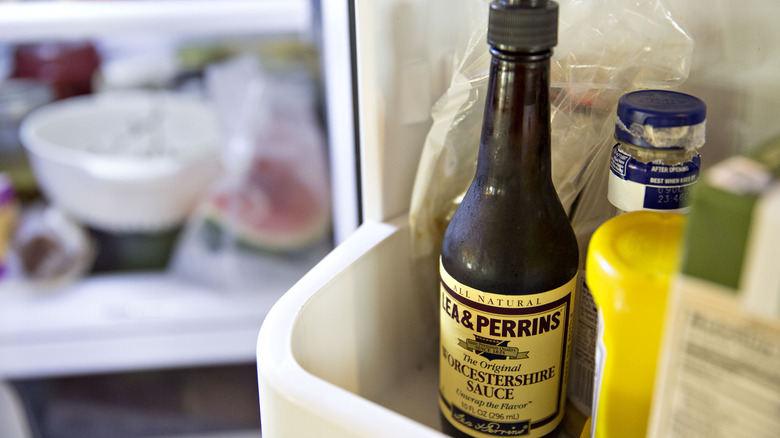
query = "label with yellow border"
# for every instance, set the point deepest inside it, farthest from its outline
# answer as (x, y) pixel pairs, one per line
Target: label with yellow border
(503, 362)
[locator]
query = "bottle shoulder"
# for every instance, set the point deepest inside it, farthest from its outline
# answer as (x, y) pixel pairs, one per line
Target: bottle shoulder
(510, 246)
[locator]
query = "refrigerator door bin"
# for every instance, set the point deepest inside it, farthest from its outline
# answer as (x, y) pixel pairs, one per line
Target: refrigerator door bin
(349, 351)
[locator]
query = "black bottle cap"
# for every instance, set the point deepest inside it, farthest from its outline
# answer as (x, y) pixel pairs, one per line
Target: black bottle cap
(525, 26)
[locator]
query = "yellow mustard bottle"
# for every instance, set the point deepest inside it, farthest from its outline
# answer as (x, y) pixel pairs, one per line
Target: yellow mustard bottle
(630, 263)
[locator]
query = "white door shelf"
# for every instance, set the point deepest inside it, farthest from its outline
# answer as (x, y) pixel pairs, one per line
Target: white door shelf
(353, 328)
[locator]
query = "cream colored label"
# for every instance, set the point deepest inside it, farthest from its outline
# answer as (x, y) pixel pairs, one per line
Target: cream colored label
(719, 374)
(503, 362)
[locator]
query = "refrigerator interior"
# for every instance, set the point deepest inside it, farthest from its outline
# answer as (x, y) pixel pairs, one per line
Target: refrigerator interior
(331, 352)
(127, 347)
(350, 350)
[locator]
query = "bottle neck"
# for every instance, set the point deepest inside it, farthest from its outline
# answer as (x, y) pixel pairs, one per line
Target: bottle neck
(515, 143)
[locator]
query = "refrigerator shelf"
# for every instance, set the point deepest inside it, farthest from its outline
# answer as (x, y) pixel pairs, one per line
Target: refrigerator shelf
(82, 19)
(120, 322)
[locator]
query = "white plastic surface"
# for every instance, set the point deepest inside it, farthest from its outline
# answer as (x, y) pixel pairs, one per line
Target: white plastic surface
(357, 358)
(404, 63)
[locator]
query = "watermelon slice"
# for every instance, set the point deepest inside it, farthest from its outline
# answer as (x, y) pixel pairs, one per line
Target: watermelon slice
(273, 211)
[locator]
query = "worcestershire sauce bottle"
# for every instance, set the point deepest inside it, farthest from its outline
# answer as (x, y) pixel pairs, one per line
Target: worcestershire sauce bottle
(509, 257)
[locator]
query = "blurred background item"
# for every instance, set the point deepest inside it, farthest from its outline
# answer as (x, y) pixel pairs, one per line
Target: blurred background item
(66, 66)
(17, 98)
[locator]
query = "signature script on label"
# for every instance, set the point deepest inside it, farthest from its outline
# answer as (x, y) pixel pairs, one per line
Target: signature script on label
(491, 427)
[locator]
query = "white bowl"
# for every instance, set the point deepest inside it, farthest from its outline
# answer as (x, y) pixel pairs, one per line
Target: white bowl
(124, 161)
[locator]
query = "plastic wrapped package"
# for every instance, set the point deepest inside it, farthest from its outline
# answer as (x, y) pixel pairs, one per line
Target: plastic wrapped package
(49, 249)
(269, 213)
(605, 49)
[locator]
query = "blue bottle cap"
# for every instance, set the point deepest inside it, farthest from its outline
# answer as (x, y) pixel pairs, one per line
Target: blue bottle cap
(656, 109)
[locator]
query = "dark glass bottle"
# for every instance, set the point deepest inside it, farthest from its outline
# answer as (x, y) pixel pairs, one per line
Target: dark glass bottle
(509, 256)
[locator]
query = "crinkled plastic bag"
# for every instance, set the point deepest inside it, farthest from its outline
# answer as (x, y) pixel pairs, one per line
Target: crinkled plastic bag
(605, 49)
(267, 220)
